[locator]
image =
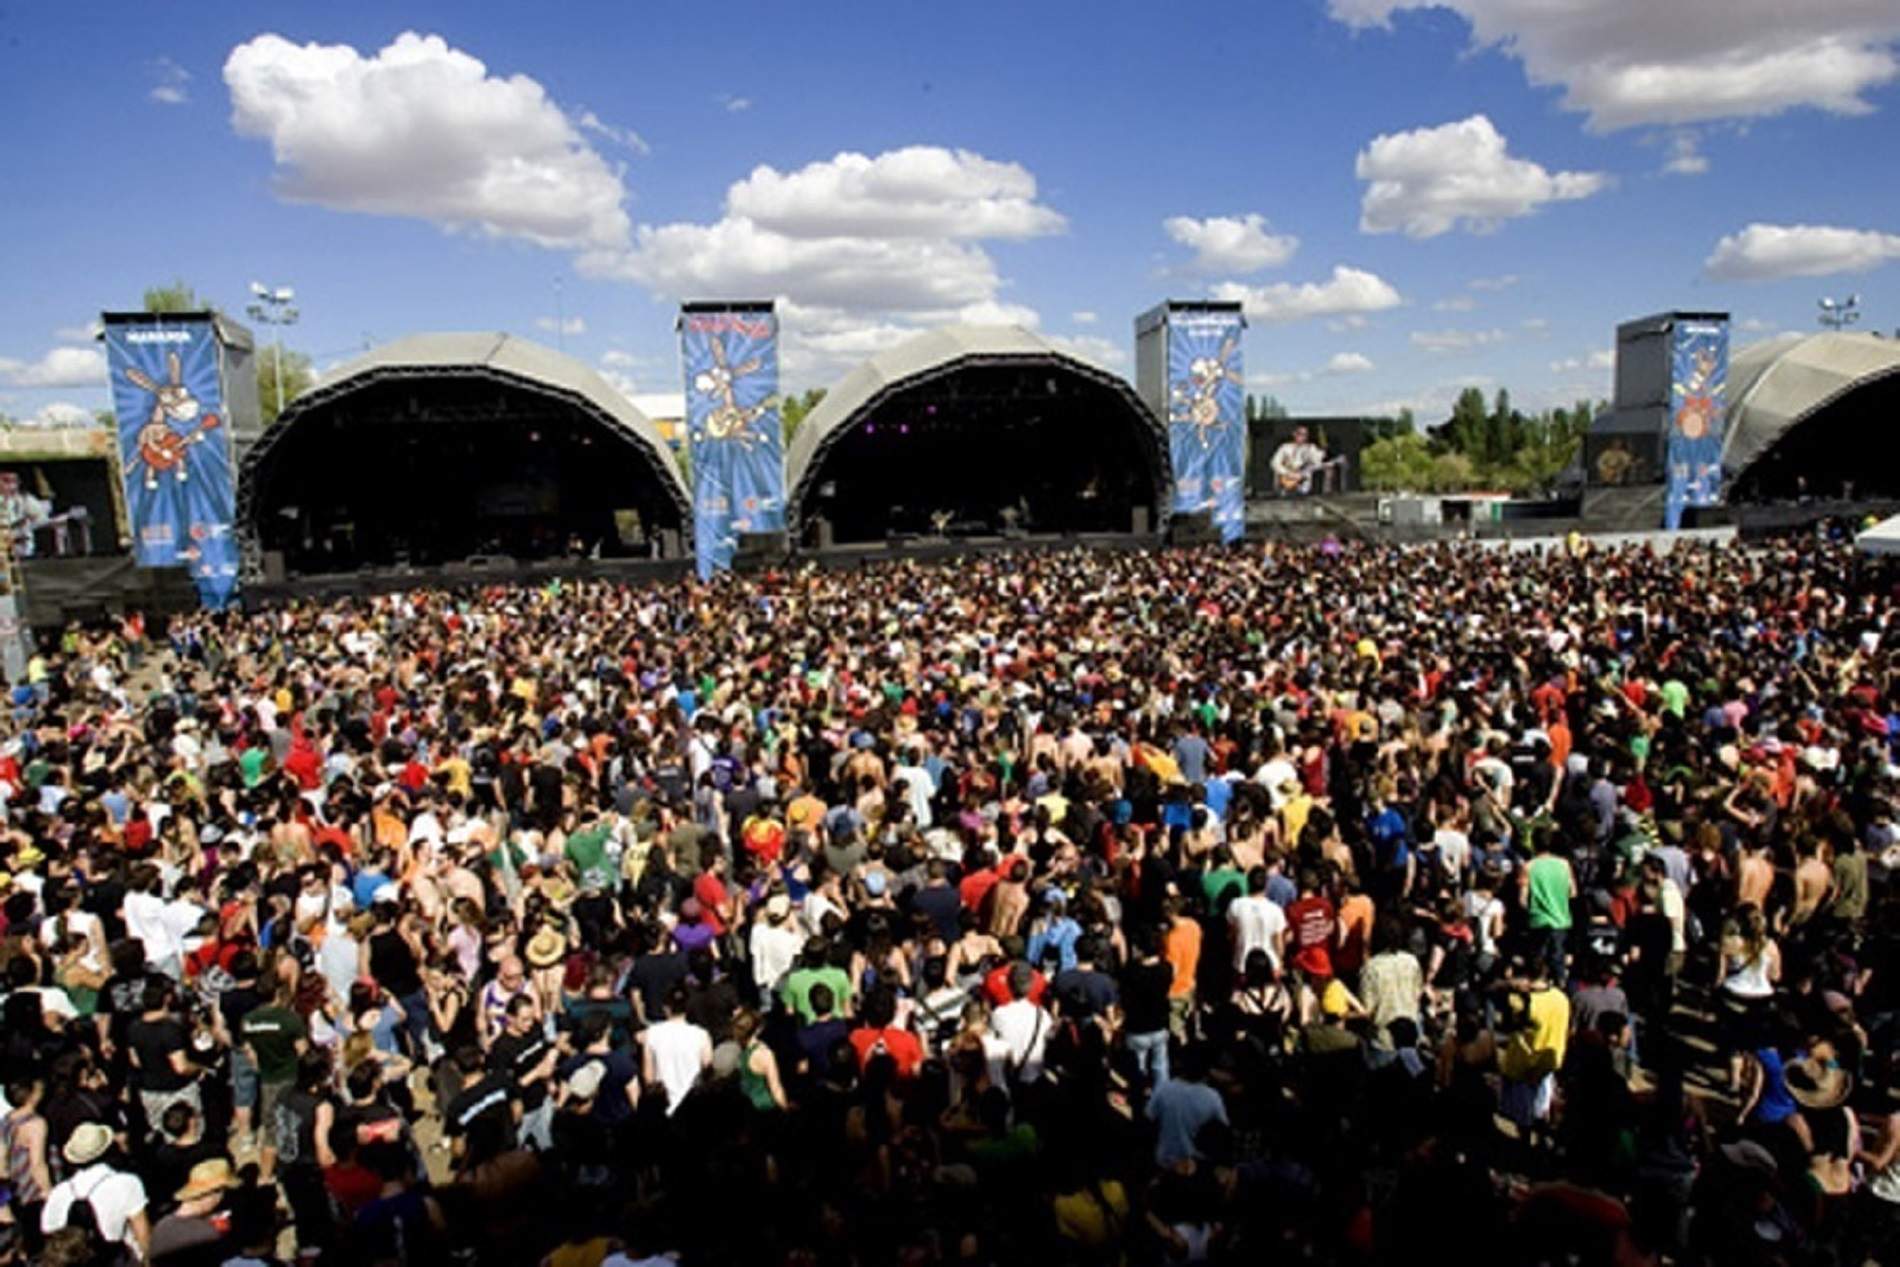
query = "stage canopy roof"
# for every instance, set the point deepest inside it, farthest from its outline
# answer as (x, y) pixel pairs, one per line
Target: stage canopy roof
(1776, 385)
(503, 357)
(933, 354)
(1882, 538)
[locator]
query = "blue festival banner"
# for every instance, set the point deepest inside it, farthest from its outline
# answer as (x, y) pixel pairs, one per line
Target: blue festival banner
(1698, 416)
(733, 427)
(1207, 432)
(175, 449)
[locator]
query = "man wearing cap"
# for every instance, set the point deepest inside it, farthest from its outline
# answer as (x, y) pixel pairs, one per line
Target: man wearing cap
(117, 1197)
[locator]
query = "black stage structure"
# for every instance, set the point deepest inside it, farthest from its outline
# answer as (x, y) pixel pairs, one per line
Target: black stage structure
(452, 457)
(976, 435)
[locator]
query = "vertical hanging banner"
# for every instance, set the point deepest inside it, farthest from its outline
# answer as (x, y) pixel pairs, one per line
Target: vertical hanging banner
(730, 353)
(1698, 416)
(1207, 432)
(175, 447)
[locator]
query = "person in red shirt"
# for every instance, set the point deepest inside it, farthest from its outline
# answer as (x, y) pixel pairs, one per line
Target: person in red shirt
(710, 889)
(996, 984)
(876, 1036)
(977, 882)
(1315, 928)
(764, 838)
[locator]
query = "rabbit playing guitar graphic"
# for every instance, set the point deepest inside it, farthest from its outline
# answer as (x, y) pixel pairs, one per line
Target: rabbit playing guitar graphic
(176, 423)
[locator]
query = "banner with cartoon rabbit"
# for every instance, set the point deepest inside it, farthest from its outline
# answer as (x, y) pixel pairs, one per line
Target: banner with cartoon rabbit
(1698, 413)
(732, 424)
(1207, 431)
(174, 448)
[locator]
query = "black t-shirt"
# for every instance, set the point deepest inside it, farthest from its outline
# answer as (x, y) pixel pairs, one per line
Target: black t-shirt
(237, 1003)
(610, 1102)
(122, 998)
(653, 976)
(1145, 996)
(393, 964)
(944, 908)
(514, 1056)
(482, 1105)
(1085, 992)
(154, 1042)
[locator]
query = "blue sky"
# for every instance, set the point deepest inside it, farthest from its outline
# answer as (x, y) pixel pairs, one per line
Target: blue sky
(1409, 196)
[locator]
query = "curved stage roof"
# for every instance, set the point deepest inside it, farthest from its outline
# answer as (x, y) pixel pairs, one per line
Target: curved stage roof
(498, 356)
(1776, 385)
(931, 355)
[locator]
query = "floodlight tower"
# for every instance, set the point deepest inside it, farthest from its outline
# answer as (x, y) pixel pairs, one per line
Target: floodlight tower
(1838, 314)
(272, 306)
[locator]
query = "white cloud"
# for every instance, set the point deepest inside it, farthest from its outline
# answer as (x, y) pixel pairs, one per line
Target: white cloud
(588, 121)
(1092, 348)
(1352, 321)
(1764, 252)
(421, 129)
(1755, 325)
(619, 380)
(921, 191)
(59, 367)
(58, 413)
(1536, 325)
(861, 251)
(1348, 290)
(1441, 341)
(1270, 379)
(617, 359)
(736, 105)
(1083, 317)
(571, 325)
(1430, 180)
(171, 82)
(1602, 359)
(1456, 303)
(1626, 63)
(1685, 154)
(1231, 244)
(1349, 363)
(1503, 281)
(80, 334)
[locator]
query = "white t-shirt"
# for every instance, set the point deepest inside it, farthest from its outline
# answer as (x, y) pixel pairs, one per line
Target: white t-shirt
(1482, 910)
(679, 1050)
(1025, 1028)
(78, 924)
(774, 951)
(145, 920)
(1257, 922)
(1274, 773)
(1454, 850)
(115, 1197)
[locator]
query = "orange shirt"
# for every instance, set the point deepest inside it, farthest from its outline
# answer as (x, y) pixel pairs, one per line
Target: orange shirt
(1183, 948)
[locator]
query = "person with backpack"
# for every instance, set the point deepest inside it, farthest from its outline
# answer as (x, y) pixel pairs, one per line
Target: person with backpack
(101, 1196)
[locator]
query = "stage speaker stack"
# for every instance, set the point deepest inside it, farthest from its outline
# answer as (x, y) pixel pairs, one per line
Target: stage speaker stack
(827, 535)
(274, 567)
(1196, 529)
(668, 545)
(1138, 521)
(759, 549)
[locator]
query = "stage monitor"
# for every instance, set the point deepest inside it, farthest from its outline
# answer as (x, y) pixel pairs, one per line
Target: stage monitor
(1306, 457)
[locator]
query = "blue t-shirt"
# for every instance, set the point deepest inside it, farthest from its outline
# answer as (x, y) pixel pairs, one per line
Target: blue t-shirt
(1220, 794)
(1179, 1110)
(1060, 936)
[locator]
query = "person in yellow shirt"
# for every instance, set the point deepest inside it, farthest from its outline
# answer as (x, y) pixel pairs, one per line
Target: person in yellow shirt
(1533, 1053)
(458, 773)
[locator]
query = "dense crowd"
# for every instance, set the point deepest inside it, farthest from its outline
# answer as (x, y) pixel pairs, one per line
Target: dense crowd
(1336, 905)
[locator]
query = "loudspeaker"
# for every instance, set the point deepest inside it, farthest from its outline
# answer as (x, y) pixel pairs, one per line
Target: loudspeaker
(1196, 529)
(273, 567)
(759, 547)
(826, 534)
(1138, 521)
(669, 544)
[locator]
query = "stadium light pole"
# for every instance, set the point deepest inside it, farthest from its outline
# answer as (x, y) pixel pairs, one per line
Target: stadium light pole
(1838, 314)
(271, 305)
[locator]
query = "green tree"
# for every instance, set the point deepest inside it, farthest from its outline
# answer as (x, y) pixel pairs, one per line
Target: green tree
(177, 297)
(298, 375)
(1397, 463)
(795, 408)
(1270, 409)
(106, 418)
(1452, 473)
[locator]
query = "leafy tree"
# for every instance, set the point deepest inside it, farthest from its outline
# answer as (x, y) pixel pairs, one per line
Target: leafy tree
(1270, 409)
(1397, 463)
(177, 297)
(298, 375)
(106, 418)
(794, 409)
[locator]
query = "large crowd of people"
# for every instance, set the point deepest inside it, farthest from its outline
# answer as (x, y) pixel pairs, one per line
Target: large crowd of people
(1340, 904)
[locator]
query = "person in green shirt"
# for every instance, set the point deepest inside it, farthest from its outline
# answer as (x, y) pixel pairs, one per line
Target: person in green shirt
(1549, 888)
(815, 966)
(275, 1039)
(1675, 696)
(251, 764)
(587, 850)
(1223, 880)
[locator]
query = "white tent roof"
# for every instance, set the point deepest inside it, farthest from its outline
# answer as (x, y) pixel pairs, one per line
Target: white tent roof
(1882, 538)
(1775, 385)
